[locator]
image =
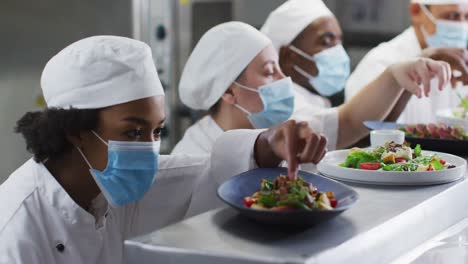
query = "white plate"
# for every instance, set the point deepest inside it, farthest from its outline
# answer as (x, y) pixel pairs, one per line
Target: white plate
(329, 167)
(446, 116)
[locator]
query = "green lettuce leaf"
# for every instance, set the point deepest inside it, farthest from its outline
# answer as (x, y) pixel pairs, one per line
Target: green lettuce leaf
(417, 150)
(354, 159)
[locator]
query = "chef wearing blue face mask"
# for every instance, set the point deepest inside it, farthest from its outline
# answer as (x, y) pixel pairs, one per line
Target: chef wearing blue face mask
(96, 177)
(233, 74)
(310, 51)
(447, 33)
(439, 30)
(308, 39)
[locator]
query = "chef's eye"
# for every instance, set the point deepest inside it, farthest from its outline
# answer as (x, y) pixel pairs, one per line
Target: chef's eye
(157, 132)
(453, 16)
(133, 134)
(327, 42)
(330, 39)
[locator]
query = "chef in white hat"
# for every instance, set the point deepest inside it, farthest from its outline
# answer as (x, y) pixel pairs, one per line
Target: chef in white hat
(439, 31)
(233, 73)
(307, 37)
(310, 51)
(97, 178)
(214, 80)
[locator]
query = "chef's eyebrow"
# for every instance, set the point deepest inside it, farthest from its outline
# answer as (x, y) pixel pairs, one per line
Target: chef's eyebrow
(141, 121)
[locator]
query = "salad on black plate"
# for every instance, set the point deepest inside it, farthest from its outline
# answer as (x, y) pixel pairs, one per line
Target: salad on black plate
(285, 194)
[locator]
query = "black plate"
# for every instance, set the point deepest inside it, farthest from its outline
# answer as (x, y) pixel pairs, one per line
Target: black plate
(236, 188)
(457, 147)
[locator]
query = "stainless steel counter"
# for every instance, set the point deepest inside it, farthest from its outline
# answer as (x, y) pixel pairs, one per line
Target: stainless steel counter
(385, 223)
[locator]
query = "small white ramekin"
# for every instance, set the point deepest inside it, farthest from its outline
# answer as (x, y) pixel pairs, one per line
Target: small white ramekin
(380, 137)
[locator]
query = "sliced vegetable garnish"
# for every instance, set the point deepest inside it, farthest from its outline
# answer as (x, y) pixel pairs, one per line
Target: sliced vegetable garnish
(370, 165)
(285, 194)
(399, 160)
(248, 201)
(417, 150)
(436, 131)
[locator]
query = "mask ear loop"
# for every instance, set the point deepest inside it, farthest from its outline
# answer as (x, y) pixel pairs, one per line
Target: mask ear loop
(307, 57)
(428, 14)
(246, 87)
(102, 140)
(301, 53)
(304, 73)
(431, 18)
(83, 155)
(242, 109)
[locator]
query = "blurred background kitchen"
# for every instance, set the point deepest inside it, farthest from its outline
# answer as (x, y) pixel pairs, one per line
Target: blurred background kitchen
(33, 31)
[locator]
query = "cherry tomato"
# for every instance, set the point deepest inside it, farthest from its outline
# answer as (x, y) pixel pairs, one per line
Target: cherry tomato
(398, 160)
(248, 201)
(442, 162)
(333, 203)
(370, 165)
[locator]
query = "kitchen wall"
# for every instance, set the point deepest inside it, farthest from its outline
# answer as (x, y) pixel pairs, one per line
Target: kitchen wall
(30, 33)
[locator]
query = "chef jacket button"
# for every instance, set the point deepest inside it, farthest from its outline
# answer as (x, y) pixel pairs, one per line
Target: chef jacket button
(60, 247)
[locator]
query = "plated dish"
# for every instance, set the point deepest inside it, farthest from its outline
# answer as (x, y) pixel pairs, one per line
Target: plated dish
(284, 194)
(234, 190)
(394, 157)
(391, 168)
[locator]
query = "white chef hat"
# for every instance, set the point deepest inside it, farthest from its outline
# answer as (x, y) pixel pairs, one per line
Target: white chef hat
(100, 71)
(439, 2)
(286, 22)
(217, 60)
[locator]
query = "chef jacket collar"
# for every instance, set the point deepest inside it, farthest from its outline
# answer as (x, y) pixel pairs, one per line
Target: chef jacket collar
(61, 200)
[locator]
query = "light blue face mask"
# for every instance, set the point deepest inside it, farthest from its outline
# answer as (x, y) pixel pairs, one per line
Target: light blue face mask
(130, 172)
(278, 103)
(448, 34)
(333, 66)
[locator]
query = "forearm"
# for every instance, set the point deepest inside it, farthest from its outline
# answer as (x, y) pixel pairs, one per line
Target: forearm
(374, 102)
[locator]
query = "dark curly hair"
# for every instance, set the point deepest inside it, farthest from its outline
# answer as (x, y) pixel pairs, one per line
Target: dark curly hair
(46, 131)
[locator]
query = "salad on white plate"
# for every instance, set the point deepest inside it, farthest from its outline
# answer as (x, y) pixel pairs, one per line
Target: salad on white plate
(392, 164)
(394, 157)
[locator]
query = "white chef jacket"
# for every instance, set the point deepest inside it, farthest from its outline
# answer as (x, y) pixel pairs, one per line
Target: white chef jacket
(199, 138)
(37, 215)
(403, 47)
(317, 111)
(309, 97)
